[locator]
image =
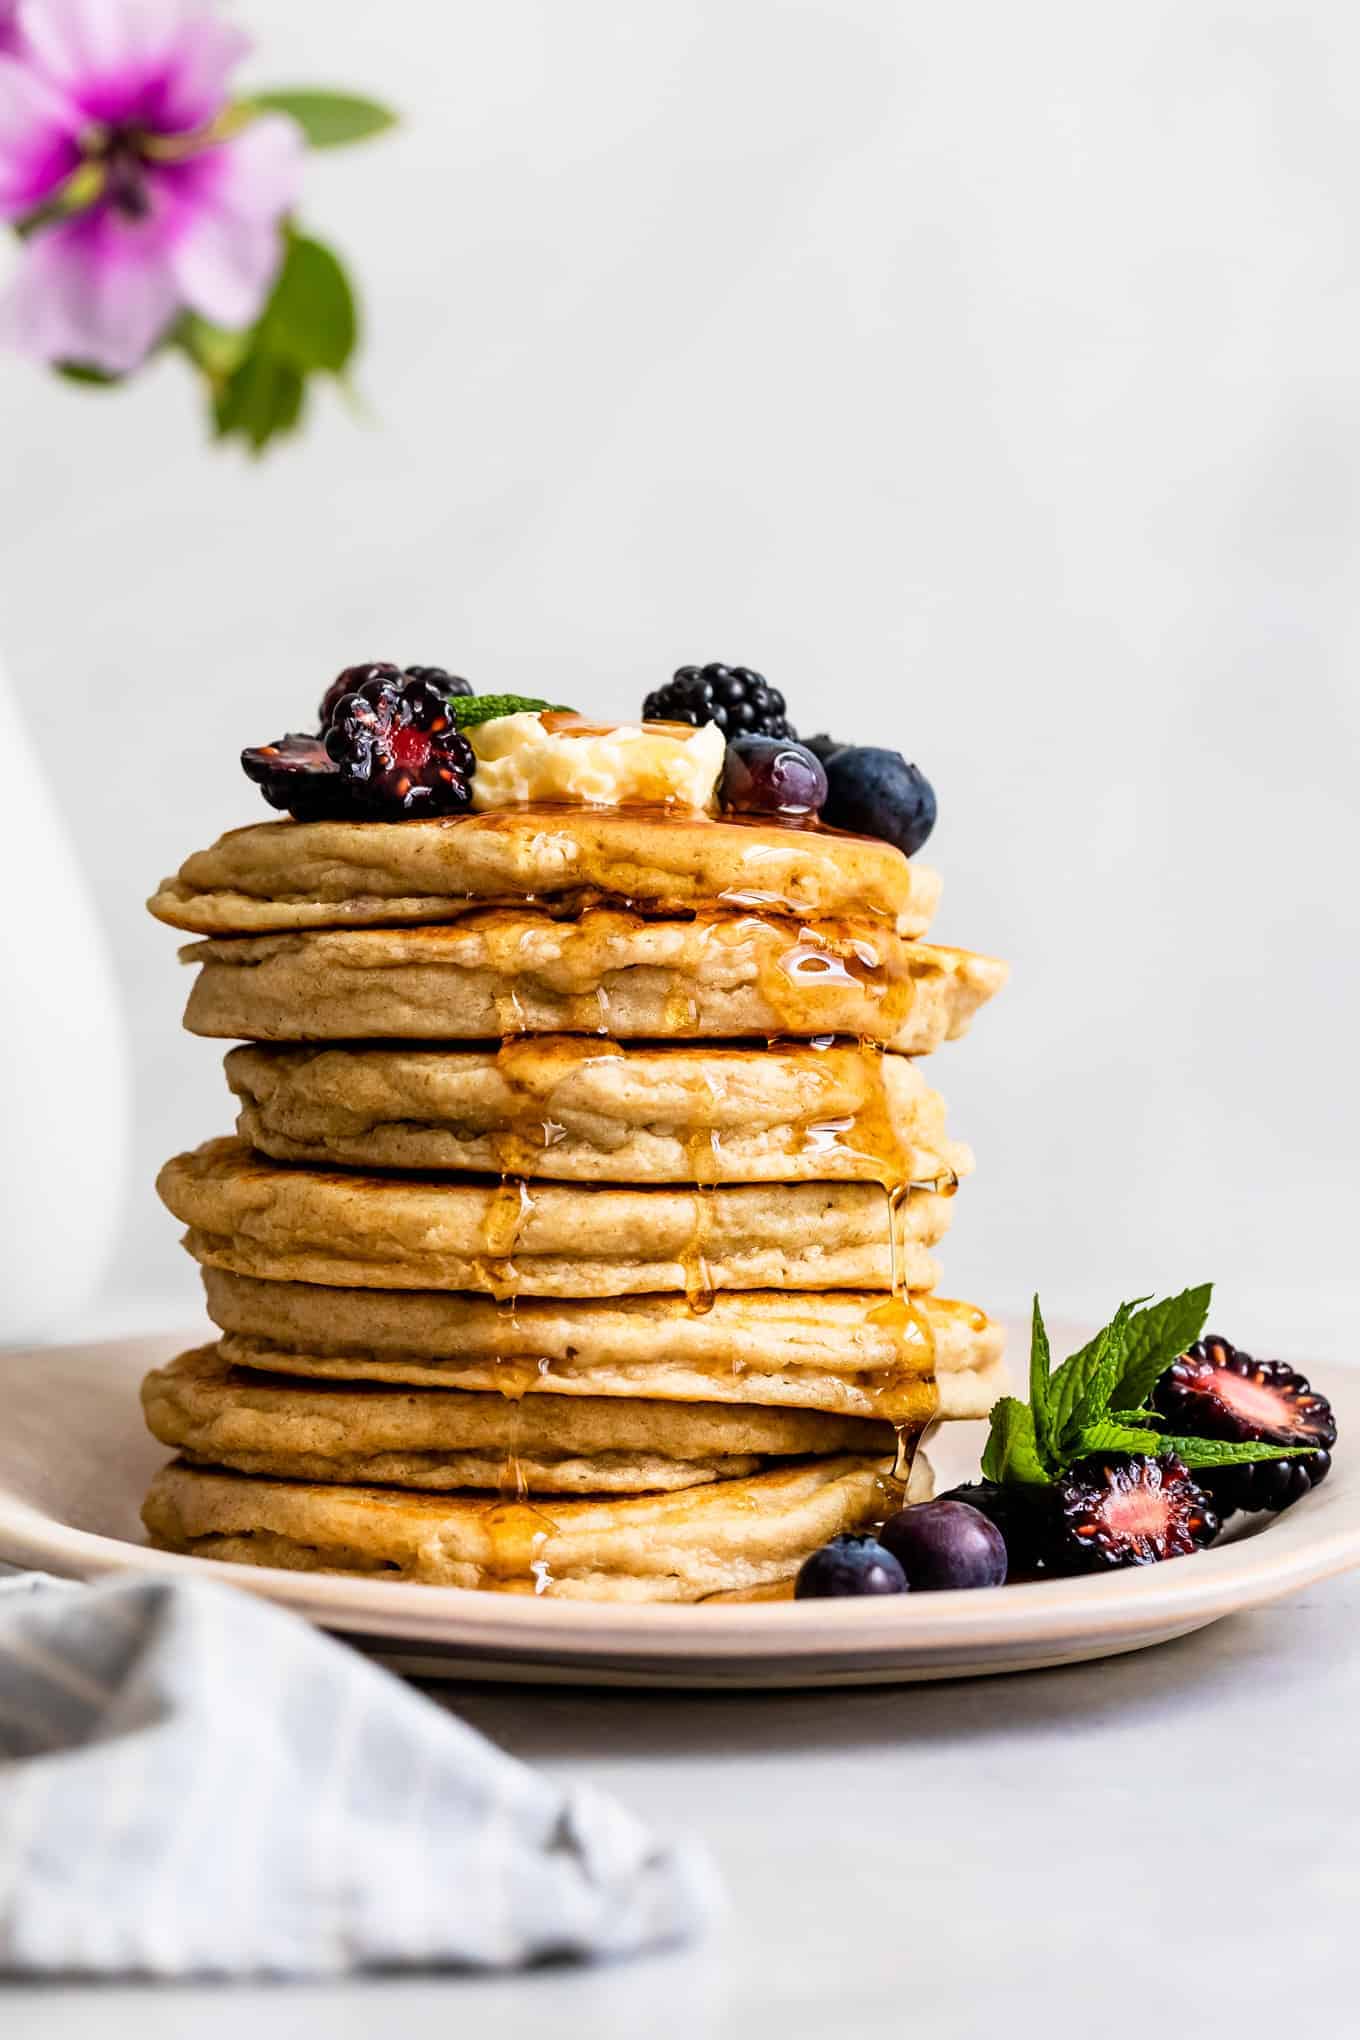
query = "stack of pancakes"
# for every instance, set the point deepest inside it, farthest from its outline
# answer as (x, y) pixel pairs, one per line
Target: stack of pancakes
(577, 1234)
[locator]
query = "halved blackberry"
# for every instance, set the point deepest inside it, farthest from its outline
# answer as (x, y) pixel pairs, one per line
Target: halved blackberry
(296, 775)
(741, 702)
(355, 677)
(394, 742)
(1215, 1391)
(1119, 1509)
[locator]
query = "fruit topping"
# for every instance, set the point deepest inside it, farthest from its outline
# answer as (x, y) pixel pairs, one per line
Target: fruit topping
(450, 685)
(394, 742)
(1023, 1516)
(849, 1565)
(355, 677)
(945, 1543)
(1123, 1508)
(771, 776)
(740, 702)
(873, 792)
(295, 774)
(1219, 1392)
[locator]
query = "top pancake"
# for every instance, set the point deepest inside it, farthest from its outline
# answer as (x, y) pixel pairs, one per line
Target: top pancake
(286, 875)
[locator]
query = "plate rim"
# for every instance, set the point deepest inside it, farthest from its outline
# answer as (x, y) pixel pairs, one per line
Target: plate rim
(1314, 1541)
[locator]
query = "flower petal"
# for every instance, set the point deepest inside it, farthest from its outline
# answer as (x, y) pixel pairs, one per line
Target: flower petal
(163, 63)
(38, 147)
(93, 290)
(227, 252)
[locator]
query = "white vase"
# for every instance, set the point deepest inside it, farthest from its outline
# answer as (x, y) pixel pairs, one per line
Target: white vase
(64, 1080)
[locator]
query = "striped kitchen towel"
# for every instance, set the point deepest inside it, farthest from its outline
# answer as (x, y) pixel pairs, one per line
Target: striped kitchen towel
(195, 1783)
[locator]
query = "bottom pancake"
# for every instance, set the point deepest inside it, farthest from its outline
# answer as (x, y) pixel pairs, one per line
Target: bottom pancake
(732, 1537)
(443, 1438)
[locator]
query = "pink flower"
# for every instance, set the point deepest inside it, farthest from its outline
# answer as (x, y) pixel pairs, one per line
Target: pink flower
(180, 214)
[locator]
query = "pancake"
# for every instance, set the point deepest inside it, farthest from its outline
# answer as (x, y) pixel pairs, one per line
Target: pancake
(214, 1414)
(568, 1109)
(516, 971)
(727, 1537)
(283, 874)
(836, 1351)
(263, 1218)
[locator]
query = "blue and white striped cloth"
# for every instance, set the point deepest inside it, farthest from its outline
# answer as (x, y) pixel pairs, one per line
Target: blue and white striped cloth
(193, 1783)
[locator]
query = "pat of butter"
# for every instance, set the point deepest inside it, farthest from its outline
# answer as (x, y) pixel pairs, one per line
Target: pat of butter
(554, 757)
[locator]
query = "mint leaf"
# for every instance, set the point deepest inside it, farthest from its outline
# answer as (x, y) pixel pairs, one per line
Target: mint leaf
(1012, 1455)
(1156, 1338)
(1218, 1452)
(1110, 1436)
(471, 709)
(1083, 1385)
(1040, 1399)
(330, 120)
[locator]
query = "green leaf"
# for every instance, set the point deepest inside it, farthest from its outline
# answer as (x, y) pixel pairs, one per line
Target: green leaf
(1195, 1452)
(329, 120)
(471, 709)
(86, 372)
(1156, 1338)
(261, 400)
(1109, 1436)
(1040, 1399)
(1083, 1385)
(310, 320)
(1012, 1454)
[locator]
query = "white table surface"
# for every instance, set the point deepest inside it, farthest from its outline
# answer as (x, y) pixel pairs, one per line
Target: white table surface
(1163, 1843)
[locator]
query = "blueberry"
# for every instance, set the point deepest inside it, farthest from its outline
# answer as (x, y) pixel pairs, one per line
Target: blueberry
(946, 1544)
(1024, 1516)
(771, 776)
(849, 1565)
(873, 792)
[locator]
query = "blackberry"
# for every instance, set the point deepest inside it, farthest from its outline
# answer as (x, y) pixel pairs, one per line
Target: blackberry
(349, 682)
(296, 775)
(395, 743)
(740, 702)
(1118, 1509)
(448, 683)
(355, 677)
(1215, 1391)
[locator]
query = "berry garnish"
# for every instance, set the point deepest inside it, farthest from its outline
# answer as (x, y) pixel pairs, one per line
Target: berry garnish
(1088, 1471)
(1022, 1515)
(771, 776)
(872, 792)
(349, 682)
(355, 677)
(394, 741)
(944, 1544)
(847, 1566)
(1222, 1393)
(449, 684)
(741, 702)
(1125, 1508)
(296, 775)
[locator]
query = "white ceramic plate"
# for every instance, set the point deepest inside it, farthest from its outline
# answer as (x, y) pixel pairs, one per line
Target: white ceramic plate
(75, 1463)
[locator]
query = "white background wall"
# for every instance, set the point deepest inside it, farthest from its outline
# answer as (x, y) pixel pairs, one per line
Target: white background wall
(985, 374)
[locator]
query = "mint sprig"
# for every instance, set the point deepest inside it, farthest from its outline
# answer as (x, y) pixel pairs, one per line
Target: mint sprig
(1096, 1401)
(471, 709)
